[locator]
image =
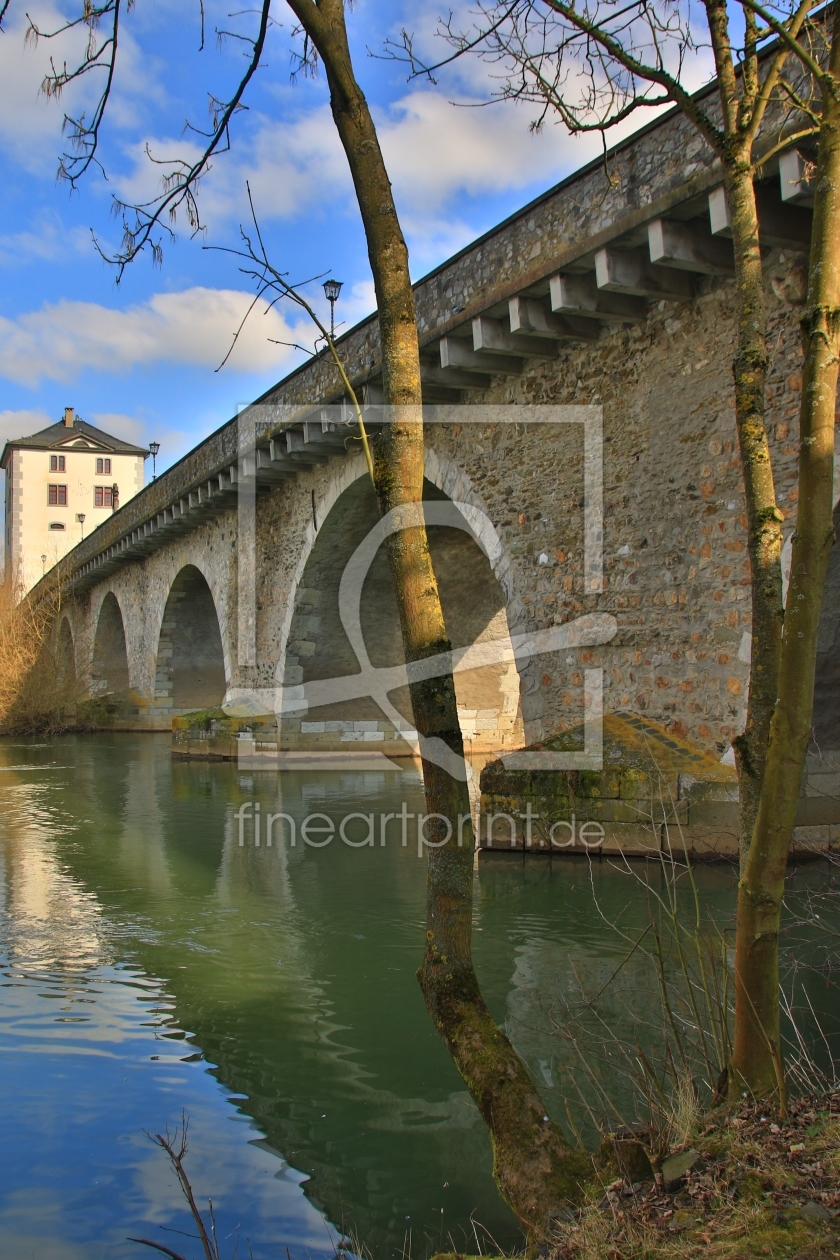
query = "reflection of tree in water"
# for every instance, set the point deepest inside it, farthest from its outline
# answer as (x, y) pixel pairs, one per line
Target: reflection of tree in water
(587, 999)
(341, 1071)
(589, 1014)
(551, 1022)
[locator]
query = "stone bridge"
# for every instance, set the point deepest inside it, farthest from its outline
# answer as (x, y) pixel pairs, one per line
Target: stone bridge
(610, 294)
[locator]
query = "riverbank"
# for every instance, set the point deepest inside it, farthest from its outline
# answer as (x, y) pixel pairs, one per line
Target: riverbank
(758, 1186)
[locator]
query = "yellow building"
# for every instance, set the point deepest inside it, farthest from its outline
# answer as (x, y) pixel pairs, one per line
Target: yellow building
(60, 484)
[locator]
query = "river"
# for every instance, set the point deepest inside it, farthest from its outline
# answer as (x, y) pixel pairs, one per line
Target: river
(155, 967)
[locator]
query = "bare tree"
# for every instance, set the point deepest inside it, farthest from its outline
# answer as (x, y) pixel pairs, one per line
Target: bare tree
(596, 65)
(535, 1167)
(761, 887)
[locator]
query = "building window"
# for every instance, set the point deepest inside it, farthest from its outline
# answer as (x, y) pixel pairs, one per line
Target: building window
(103, 496)
(57, 525)
(57, 463)
(103, 468)
(57, 496)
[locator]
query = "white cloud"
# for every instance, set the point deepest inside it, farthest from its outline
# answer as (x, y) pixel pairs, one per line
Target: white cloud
(434, 151)
(30, 125)
(127, 428)
(194, 327)
(17, 424)
(48, 239)
(292, 164)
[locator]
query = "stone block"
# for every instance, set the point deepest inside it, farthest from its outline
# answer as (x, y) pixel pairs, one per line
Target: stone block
(675, 1167)
(635, 785)
(825, 783)
(814, 811)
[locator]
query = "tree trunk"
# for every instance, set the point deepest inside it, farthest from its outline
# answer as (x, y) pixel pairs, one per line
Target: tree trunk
(764, 535)
(535, 1169)
(756, 1060)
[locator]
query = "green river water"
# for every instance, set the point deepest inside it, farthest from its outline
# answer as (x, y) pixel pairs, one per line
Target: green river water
(153, 966)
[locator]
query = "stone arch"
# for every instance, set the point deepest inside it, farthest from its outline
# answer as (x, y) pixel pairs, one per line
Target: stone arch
(65, 655)
(315, 645)
(109, 667)
(440, 472)
(190, 669)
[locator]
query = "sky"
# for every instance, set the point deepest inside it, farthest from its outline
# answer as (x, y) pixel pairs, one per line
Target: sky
(141, 358)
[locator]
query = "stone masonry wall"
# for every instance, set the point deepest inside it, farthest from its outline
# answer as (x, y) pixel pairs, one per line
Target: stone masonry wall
(674, 524)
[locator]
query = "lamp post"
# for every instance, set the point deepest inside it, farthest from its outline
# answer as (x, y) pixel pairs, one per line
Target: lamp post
(43, 565)
(154, 447)
(332, 288)
(80, 517)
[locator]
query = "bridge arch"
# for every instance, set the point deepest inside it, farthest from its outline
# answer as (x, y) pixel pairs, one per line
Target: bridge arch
(474, 587)
(109, 667)
(190, 668)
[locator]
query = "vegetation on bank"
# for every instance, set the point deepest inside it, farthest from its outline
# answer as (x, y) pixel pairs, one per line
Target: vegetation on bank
(37, 692)
(758, 1185)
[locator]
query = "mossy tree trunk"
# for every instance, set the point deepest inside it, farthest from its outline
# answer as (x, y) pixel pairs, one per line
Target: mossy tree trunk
(764, 533)
(756, 1061)
(535, 1168)
(743, 100)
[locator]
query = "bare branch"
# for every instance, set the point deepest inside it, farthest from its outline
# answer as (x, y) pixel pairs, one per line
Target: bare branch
(797, 136)
(176, 1148)
(181, 185)
(83, 136)
(784, 33)
(419, 68)
(270, 280)
(619, 54)
(167, 1251)
(773, 77)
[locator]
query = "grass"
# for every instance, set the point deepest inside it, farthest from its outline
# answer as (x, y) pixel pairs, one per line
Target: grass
(743, 1200)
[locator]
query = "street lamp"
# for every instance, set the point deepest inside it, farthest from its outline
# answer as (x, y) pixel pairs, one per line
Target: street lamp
(80, 517)
(332, 288)
(43, 565)
(154, 447)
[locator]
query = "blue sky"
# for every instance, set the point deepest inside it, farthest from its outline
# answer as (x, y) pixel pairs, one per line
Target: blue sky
(138, 359)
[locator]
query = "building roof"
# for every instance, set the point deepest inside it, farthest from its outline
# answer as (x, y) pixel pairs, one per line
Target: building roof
(81, 436)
